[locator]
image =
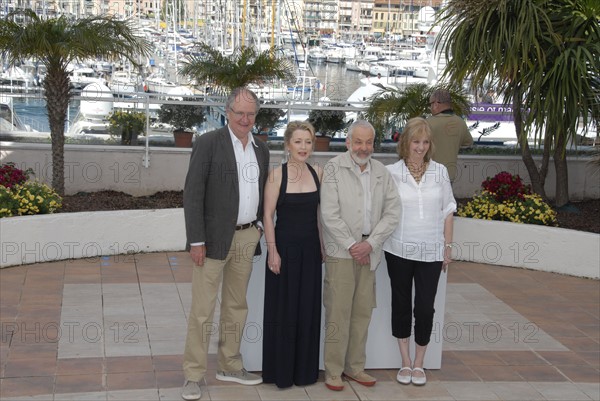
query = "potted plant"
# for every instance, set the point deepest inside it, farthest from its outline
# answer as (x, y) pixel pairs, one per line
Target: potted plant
(267, 119)
(326, 123)
(183, 118)
(127, 124)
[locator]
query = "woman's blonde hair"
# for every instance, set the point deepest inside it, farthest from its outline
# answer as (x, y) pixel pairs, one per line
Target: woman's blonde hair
(416, 127)
(295, 126)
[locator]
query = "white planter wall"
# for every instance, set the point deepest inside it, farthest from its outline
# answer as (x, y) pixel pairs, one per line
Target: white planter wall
(42, 238)
(550, 249)
(35, 239)
(129, 169)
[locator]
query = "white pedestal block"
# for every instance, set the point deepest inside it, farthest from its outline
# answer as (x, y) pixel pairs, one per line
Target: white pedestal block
(382, 347)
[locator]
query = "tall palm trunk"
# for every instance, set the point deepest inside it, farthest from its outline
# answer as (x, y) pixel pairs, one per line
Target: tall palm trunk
(56, 85)
(537, 180)
(560, 167)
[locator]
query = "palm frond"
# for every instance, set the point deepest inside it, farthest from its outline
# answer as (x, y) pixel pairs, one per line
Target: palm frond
(243, 67)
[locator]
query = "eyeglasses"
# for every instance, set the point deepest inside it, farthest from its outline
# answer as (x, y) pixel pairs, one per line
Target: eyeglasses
(241, 114)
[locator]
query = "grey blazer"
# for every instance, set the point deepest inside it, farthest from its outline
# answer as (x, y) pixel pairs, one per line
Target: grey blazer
(211, 193)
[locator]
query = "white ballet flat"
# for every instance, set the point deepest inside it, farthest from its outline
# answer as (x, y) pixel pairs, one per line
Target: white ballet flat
(404, 378)
(419, 381)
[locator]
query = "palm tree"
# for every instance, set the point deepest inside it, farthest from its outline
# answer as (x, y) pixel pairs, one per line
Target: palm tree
(245, 66)
(55, 42)
(545, 59)
(393, 107)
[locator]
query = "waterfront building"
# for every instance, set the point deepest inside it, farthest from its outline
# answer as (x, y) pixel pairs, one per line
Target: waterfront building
(399, 19)
(355, 19)
(348, 20)
(320, 17)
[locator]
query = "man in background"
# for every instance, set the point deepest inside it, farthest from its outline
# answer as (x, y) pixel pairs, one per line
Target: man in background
(449, 131)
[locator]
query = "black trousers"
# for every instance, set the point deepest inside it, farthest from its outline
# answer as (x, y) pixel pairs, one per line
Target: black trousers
(425, 275)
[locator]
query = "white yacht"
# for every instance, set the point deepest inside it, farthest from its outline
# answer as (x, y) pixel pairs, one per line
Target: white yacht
(91, 121)
(335, 55)
(358, 65)
(83, 76)
(157, 83)
(371, 53)
(125, 84)
(401, 68)
(316, 55)
(18, 76)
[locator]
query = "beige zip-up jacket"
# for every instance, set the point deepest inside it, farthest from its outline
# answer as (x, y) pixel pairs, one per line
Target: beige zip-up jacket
(342, 207)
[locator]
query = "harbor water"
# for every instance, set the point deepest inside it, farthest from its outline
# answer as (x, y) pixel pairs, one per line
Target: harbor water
(332, 81)
(335, 82)
(32, 111)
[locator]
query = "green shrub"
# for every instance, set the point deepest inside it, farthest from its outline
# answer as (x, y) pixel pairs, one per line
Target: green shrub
(327, 122)
(126, 124)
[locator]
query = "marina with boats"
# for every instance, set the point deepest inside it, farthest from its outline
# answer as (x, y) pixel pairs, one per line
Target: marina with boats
(328, 73)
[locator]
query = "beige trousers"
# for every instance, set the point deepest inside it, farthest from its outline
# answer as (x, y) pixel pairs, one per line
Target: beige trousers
(233, 274)
(349, 299)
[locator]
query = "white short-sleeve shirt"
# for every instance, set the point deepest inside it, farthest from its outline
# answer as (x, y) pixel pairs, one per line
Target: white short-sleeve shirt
(424, 208)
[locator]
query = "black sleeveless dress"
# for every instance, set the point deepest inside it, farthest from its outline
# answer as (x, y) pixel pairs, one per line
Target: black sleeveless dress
(292, 312)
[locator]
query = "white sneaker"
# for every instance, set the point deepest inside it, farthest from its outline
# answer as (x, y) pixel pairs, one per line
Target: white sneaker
(191, 391)
(404, 378)
(241, 377)
(419, 381)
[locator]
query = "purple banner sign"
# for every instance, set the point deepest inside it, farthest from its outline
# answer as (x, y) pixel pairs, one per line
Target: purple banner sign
(488, 112)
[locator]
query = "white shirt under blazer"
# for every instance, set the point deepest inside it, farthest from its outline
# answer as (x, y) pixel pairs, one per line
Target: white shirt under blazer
(424, 208)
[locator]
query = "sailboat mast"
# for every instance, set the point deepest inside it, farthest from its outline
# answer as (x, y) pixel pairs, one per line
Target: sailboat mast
(273, 9)
(243, 38)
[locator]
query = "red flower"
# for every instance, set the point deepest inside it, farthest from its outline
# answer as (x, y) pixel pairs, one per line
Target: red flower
(11, 176)
(505, 186)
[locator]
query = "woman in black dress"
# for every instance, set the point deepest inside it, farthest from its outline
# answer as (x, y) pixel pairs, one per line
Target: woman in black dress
(292, 314)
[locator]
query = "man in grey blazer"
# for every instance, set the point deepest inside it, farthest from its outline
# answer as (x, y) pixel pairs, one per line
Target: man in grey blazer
(223, 210)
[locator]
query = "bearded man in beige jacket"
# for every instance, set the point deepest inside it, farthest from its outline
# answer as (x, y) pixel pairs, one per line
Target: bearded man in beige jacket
(360, 208)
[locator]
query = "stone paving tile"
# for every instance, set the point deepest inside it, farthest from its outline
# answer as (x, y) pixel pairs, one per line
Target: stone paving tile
(30, 367)
(515, 391)
(392, 391)
(591, 357)
(133, 395)
(453, 374)
(129, 364)
(579, 373)
(169, 378)
(592, 390)
(565, 359)
(520, 358)
(44, 397)
(79, 383)
(560, 391)
(26, 386)
(82, 366)
(540, 373)
(130, 381)
(233, 392)
(167, 362)
(318, 392)
(270, 392)
(471, 391)
(497, 373)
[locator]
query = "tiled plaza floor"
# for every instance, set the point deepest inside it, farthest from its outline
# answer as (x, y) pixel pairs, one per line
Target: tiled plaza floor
(63, 336)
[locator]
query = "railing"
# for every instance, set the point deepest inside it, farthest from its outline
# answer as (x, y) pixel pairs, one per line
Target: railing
(150, 104)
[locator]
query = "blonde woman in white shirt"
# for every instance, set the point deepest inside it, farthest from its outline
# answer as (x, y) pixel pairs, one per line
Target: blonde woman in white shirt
(419, 249)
